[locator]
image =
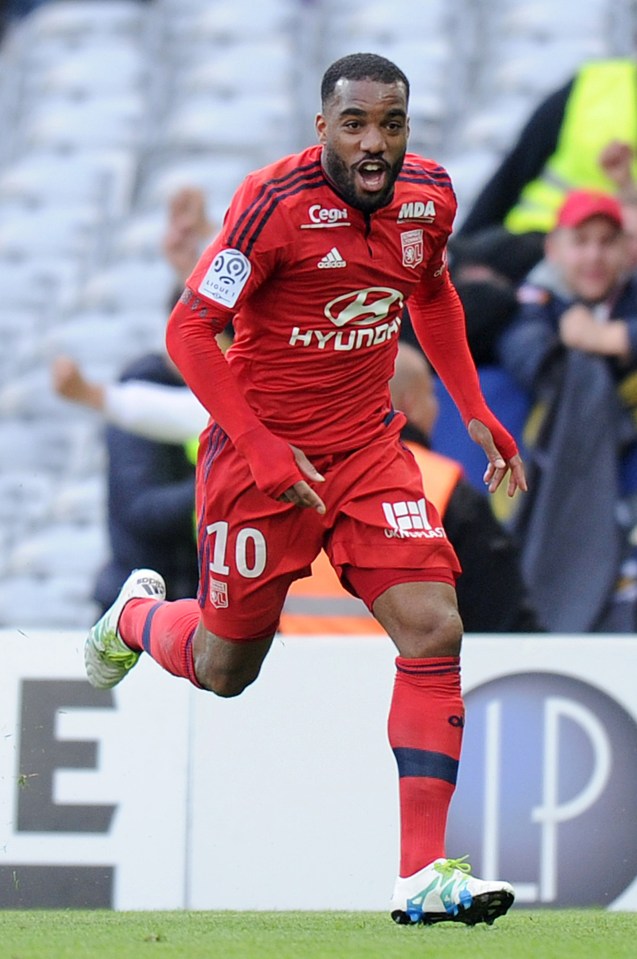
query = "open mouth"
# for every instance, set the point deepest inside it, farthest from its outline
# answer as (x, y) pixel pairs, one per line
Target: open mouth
(373, 174)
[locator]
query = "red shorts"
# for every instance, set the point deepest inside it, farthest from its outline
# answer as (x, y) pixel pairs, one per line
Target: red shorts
(252, 547)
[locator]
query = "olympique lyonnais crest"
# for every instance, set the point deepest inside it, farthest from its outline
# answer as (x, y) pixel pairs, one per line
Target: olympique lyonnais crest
(413, 248)
(218, 594)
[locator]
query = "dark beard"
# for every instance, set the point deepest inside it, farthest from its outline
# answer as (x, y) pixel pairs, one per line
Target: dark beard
(342, 180)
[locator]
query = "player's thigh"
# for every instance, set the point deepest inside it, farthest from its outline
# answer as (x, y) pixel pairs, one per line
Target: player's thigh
(421, 618)
(251, 548)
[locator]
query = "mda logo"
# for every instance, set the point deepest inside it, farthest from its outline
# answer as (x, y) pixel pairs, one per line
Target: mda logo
(547, 790)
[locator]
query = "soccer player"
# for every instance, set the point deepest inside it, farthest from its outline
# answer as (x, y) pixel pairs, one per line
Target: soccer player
(316, 258)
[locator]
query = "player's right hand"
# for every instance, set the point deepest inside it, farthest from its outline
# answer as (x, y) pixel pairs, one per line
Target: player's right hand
(301, 493)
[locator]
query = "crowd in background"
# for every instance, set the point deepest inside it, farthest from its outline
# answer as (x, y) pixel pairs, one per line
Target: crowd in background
(550, 298)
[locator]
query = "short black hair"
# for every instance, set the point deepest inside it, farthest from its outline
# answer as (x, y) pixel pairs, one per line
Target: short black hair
(361, 66)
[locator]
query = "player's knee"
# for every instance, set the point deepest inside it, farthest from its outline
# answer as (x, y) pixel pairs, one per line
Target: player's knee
(439, 633)
(224, 679)
(223, 667)
(226, 683)
(229, 686)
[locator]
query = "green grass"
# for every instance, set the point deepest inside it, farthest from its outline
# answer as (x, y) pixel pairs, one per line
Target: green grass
(580, 934)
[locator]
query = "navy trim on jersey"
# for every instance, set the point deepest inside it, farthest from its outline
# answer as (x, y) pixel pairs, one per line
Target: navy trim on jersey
(416, 173)
(251, 222)
(216, 441)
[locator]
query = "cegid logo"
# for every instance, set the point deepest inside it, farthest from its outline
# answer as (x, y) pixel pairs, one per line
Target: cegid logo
(546, 791)
(323, 216)
(367, 310)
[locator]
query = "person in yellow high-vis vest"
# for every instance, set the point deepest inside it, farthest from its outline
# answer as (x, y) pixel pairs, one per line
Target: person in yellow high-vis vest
(491, 593)
(559, 149)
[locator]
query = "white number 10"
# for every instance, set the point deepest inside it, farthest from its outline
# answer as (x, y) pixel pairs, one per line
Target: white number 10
(244, 537)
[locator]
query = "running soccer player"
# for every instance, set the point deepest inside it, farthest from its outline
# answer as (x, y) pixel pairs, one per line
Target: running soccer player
(316, 258)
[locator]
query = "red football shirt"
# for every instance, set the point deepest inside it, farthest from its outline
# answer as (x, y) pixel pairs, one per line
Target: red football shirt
(315, 289)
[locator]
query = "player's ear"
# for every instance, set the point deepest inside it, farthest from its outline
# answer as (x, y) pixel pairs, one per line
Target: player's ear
(320, 125)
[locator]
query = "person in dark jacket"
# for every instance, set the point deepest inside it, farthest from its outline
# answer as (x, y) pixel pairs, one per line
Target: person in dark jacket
(559, 150)
(581, 136)
(151, 500)
(492, 596)
(573, 347)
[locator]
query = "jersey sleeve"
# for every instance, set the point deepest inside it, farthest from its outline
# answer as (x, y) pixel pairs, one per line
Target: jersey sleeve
(243, 254)
(230, 269)
(438, 321)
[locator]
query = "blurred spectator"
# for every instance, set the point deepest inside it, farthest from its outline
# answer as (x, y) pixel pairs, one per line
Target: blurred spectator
(579, 137)
(160, 413)
(151, 440)
(491, 593)
(616, 160)
(558, 150)
(573, 346)
(151, 494)
(151, 500)
(188, 231)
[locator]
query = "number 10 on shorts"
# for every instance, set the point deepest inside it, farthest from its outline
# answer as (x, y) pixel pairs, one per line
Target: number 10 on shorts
(250, 554)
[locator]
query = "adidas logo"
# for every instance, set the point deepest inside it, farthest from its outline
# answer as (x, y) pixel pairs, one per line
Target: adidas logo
(332, 261)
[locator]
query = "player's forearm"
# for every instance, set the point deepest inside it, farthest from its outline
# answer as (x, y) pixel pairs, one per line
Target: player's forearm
(191, 343)
(439, 324)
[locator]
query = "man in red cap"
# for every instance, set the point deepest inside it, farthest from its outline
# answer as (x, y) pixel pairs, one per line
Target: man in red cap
(573, 346)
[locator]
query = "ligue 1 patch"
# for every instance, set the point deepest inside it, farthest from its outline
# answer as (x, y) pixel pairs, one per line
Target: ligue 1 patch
(413, 248)
(218, 594)
(226, 277)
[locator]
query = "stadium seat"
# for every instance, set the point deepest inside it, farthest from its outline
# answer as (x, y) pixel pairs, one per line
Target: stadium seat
(230, 71)
(77, 19)
(144, 284)
(241, 20)
(101, 178)
(102, 68)
(61, 229)
(241, 123)
(108, 121)
(43, 282)
(217, 175)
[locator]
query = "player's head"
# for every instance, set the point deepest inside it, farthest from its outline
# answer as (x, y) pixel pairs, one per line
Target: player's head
(588, 245)
(363, 127)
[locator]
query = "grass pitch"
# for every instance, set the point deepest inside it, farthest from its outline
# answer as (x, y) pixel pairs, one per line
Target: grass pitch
(559, 934)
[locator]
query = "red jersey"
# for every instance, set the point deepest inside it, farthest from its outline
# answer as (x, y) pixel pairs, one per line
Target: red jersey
(316, 290)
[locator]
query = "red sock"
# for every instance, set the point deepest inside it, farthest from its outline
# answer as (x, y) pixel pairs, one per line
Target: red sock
(426, 720)
(165, 631)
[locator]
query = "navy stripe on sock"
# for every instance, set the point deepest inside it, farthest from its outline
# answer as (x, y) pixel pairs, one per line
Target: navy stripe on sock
(147, 627)
(425, 762)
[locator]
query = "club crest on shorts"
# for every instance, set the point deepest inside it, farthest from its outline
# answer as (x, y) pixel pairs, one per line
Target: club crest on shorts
(218, 594)
(413, 248)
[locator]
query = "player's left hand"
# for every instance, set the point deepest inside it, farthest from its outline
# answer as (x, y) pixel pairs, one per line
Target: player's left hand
(498, 467)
